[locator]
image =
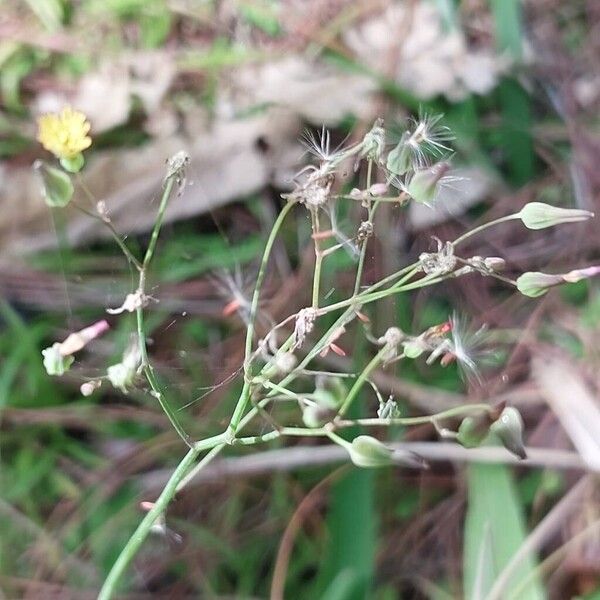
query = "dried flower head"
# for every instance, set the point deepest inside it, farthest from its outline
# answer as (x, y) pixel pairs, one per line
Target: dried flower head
(441, 262)
(65, 134)
(305, 321)
(453, 341)
(319, 146)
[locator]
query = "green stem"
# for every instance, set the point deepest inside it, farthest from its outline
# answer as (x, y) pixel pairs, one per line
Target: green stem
(141, 291)
(456, 411)
(214, 444)
(360, 380)
(483, 227)
(316, 229)
(372, 297)
(245, 394)
(363, 247)
(167, 189)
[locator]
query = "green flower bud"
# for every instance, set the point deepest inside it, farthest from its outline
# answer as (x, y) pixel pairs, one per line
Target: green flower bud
(509, 428)
(400, 159)
(314, 416)
(366, 451)
(73, 164)
(534, 283)
(373, 143)
(413, 349)
(423, 185)
(472, 431)
(538, 215)
(54, 362)
(57, 189)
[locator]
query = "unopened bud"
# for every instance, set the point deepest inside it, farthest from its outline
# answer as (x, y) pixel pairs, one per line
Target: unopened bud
(423, 185)
(89, 387)
(400, 159)
(378, 189)
(388, 409)
(534, 283)
(366, 451)
(472, 431)
(56, 186)
(314, 416)
(373, 143)
(285, 362)
(509, 428)
(494, 263)
(538, 215)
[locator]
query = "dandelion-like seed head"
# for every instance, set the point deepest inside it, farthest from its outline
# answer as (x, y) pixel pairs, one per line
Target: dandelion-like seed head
(428, 138)
(469, 347)
(64, 134)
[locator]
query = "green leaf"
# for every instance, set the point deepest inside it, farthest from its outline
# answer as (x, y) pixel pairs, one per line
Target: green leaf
(494, 511)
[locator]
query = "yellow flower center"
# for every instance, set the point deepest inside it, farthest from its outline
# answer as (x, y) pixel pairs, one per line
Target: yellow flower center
(64, 134)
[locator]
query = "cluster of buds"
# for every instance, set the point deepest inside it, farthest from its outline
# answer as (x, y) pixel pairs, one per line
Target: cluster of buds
(323, 403)
(488, 265)
(505, 422)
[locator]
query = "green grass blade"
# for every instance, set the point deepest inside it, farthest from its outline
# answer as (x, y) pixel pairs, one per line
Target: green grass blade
(515, 136)
(494, 511)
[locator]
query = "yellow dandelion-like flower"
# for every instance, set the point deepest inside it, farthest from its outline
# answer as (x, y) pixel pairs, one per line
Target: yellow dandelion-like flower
(65, 133)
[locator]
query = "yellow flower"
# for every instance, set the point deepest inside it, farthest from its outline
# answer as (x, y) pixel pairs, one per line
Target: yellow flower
(64, 134)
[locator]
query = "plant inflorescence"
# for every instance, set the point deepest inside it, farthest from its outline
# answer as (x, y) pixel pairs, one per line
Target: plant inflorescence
(281, 361)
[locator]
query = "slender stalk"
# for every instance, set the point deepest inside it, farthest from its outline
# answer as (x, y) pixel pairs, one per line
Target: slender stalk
(213, 444)
(141, 291)
(115, 235)
(363, 247)
(483, 227)
(456, 411)
(245, 394)
(372, 297)
(316, 229)
(360, 380)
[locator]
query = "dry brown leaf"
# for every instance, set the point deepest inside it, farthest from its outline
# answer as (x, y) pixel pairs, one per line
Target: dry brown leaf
(575, 405)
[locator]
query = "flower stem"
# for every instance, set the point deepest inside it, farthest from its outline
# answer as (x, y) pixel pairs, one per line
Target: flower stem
(316, 229)
(141, 291)
(360, 380)
(483, 227)
(245, 394)
(214, 444)
(363, 247)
